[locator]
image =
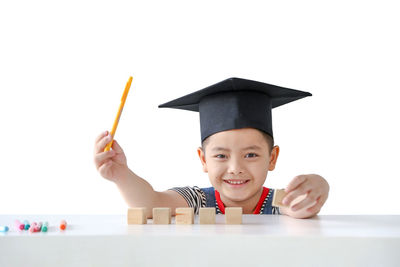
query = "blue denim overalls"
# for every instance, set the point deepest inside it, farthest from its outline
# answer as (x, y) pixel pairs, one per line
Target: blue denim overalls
(268, 208)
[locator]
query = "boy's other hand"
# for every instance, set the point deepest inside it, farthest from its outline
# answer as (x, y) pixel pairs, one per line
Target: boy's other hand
(315, 190)
(111, 164)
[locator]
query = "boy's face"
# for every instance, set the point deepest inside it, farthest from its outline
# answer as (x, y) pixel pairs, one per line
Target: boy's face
(237, 162)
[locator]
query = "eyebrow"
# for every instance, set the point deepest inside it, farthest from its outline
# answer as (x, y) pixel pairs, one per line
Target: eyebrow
(226, 149)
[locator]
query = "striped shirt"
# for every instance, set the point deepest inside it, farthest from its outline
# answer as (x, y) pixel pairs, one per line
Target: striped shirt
(196, 198)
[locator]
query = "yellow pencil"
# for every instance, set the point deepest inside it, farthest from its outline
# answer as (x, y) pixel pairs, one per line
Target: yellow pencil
(121, 107)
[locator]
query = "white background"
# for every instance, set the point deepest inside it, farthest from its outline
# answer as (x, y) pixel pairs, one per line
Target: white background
(64, 65)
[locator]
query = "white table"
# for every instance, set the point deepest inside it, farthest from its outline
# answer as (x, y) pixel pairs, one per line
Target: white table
(267, 240)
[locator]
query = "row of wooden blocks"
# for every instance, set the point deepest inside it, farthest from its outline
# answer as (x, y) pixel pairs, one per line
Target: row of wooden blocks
(233, 215)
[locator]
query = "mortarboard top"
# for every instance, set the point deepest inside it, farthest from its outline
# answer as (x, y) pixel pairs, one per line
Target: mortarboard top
(236, 103)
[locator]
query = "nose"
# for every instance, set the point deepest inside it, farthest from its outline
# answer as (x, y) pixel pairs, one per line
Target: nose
(235, 166)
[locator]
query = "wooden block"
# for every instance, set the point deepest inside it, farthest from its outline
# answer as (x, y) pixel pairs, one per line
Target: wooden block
(184, 216)
(279, 195)
(233, 215)
(137, 216)
(207, 215)
(161, 216)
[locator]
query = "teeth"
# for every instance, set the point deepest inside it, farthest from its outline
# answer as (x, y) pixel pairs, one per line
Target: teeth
(235, 182)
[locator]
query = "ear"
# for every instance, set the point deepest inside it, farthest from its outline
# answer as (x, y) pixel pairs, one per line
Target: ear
(202, 157)
(273, 158)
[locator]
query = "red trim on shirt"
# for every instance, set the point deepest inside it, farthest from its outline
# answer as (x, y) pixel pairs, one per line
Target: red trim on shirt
(261, 200)
(221, 205)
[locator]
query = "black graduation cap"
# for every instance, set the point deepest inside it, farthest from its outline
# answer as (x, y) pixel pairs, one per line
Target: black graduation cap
(236, 103)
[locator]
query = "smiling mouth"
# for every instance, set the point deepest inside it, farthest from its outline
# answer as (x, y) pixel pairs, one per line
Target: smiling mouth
(236, 182)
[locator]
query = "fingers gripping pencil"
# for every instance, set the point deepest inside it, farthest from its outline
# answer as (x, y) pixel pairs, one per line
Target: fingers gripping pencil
(121, 107)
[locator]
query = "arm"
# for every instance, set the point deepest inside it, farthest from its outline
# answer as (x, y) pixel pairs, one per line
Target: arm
(137, 192)
(306, 194)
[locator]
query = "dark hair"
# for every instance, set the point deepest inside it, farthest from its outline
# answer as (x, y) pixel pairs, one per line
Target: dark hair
(269, 139)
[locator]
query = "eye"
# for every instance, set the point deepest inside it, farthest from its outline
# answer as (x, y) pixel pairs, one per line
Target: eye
(218, 156)
(253, 155)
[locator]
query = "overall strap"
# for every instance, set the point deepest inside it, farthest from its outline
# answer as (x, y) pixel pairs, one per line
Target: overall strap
(210, 196)
(268, 208)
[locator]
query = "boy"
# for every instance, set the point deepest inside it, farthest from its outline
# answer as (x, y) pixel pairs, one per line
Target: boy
(236, 122)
